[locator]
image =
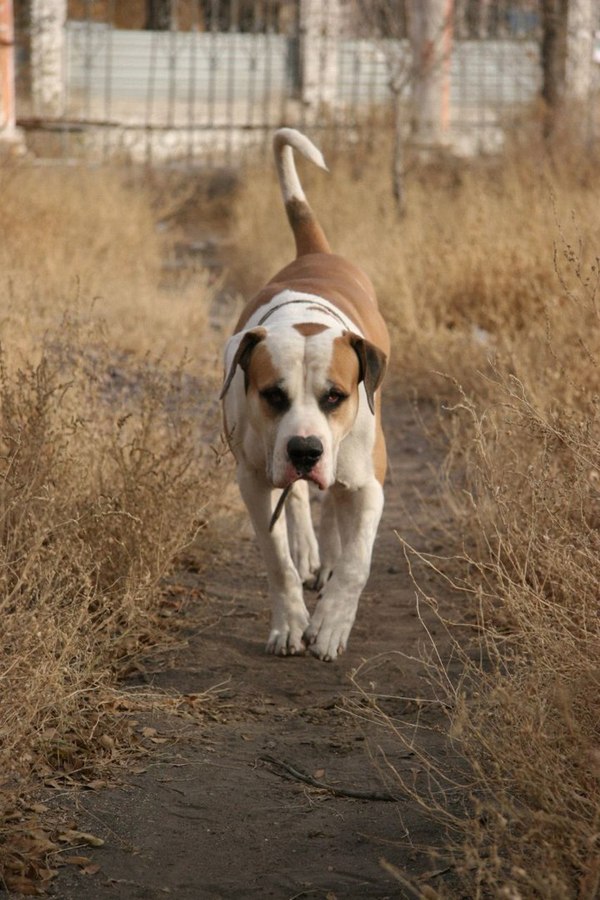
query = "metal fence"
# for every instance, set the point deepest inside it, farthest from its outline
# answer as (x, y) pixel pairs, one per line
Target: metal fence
(210, 77)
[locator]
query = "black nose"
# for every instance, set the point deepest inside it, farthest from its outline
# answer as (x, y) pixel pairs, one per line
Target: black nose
(304, 453)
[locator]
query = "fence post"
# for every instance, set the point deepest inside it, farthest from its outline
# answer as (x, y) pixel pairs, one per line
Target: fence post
(10, 136)
(320, 24)
(48, 20)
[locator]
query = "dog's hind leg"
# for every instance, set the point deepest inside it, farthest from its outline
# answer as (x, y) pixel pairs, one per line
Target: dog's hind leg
(301, 535)
(330, 545)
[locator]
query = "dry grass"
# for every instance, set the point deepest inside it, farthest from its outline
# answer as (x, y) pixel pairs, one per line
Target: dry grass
(88, 239)
(533, 514)
(492, 280)
(105, 476)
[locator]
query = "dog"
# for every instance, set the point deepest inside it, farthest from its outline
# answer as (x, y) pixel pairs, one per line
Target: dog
(302, 405)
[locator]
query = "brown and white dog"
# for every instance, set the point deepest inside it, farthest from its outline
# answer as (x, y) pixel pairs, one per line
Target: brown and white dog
(301, 403)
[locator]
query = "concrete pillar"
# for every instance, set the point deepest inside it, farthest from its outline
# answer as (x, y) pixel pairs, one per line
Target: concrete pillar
(10, 136)
(48, 20)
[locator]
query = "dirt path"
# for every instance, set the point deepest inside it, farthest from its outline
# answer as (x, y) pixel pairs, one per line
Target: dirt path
(219, 822)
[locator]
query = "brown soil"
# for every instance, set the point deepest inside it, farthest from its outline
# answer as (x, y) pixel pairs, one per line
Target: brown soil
(215, 820)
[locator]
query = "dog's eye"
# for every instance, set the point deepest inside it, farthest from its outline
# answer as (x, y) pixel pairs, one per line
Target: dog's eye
(276, 398)
(332, 399)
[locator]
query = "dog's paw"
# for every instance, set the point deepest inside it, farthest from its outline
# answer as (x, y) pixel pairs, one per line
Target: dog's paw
(286, 636)
(281, 643)
(329, 629)
(321, 578)
(304, 551)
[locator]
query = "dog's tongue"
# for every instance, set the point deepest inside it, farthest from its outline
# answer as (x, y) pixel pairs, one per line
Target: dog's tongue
(316, 480)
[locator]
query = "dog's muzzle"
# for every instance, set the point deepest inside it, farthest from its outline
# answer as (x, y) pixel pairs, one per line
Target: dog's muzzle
(304, 453)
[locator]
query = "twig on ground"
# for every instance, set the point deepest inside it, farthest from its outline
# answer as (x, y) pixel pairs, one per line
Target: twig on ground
(355, 793)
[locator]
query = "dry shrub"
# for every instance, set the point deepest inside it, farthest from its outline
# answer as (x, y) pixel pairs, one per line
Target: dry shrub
(492, 280)
(100, 487)
(527, 708)
(106, 474)
(531, 724)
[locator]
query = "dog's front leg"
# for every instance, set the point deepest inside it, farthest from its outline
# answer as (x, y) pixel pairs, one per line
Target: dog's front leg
(357, 513)
(289, 616)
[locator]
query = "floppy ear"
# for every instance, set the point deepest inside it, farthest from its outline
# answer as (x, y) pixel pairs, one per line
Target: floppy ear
(372, 363)
(242, 355)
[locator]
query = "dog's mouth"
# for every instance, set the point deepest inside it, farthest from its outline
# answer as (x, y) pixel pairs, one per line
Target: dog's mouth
(291, 479)
(293, 474)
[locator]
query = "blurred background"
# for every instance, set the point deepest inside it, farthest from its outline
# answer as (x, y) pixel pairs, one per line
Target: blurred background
(199, 81)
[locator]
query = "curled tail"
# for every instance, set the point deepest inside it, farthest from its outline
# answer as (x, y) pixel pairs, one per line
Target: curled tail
(309, 236)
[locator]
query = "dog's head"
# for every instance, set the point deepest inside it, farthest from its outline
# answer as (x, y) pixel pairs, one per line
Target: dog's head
(301, 386)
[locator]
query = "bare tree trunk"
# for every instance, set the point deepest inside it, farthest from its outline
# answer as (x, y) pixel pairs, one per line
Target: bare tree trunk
(320, 25)
(483, 19)
(430, 33)
(159, 15)
(567, 46)
(398, 155)
(580, 40)
(554, 55)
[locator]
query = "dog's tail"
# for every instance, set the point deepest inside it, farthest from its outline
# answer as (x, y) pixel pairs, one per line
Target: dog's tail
(309, 236)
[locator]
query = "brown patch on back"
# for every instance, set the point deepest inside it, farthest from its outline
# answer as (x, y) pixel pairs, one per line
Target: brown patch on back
(308, 329)
(335, 279)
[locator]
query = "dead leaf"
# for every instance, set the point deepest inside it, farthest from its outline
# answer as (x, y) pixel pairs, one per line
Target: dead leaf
(21, 885)
(70, 836)
(96, 784)
(93, 869)
(38, 807)
(319, 773)
(37, 841)
(12, 815)
(52, 782)
(47, 874)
